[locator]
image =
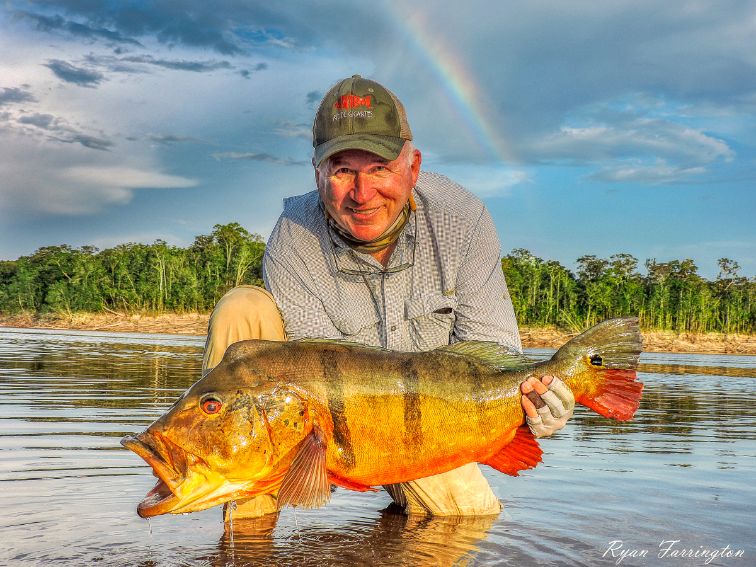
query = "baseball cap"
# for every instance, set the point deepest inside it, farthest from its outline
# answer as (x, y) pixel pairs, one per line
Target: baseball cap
(359, 114)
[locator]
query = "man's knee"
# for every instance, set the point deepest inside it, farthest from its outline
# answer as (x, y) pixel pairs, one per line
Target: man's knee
(460, 492)
(245, 312)
(251, 508)
(246, 303)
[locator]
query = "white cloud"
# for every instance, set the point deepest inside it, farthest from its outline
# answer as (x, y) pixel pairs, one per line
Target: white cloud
(124, 178)
(257, 156)
(40, 177)
(634, 148)
(660, 172)
(633, 137)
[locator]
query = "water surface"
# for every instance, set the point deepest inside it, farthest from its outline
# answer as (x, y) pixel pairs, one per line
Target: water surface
(683, 470)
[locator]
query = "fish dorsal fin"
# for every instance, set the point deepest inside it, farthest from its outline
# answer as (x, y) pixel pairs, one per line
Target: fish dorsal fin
(340, 342)
(490, 353)
(520, 454)
(306, 482)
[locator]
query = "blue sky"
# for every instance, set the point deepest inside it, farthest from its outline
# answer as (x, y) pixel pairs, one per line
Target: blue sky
(586, 127)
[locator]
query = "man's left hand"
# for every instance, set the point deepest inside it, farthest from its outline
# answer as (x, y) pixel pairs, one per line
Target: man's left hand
(548, 404)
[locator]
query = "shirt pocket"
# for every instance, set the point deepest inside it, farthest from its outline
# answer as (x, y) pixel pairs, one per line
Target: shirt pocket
(360, 326)
(431, 320)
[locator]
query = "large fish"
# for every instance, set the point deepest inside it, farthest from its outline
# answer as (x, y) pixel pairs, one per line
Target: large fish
(294, 418)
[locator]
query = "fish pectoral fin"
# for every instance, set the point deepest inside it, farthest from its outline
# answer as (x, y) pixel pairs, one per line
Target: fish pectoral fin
(306, 482)
(520, 454)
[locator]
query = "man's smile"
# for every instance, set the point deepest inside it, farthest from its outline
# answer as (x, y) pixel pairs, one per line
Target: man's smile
(365, 212)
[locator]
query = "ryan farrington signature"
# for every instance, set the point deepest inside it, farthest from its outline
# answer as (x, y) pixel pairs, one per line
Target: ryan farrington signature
(670, 549)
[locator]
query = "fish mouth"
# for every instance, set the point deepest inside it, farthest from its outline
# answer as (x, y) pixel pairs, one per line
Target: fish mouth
(169, 464)
(185, 481)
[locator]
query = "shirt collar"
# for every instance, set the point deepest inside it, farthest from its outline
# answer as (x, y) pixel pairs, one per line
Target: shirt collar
(353, 261)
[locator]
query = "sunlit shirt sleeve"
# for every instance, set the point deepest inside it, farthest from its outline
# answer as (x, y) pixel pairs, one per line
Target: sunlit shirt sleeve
(484, 307)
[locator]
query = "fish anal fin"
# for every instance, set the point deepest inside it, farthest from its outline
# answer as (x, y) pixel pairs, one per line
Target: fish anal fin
(617, 395)
(306, 482)
(350, 485)
(520, 454)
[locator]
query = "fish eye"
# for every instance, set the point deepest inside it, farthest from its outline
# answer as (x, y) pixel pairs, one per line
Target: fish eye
(210, 404)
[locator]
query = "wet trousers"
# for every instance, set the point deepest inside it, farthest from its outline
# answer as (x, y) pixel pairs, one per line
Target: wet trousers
(250, 312)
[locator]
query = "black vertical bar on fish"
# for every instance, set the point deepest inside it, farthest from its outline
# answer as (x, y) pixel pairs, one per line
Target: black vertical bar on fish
(334, 381)
(476, 387)
(413, 427)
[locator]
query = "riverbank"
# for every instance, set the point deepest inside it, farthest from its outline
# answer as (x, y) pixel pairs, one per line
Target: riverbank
(532, 337)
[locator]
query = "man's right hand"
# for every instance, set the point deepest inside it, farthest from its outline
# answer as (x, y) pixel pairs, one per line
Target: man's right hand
(548, 404)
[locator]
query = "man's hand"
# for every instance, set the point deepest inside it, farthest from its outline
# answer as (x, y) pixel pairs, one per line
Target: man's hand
(548, 404)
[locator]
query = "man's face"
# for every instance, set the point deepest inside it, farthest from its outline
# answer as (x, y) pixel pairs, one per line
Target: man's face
(363, 192)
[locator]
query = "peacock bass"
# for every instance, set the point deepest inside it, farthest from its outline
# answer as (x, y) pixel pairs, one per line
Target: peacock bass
(294, 418)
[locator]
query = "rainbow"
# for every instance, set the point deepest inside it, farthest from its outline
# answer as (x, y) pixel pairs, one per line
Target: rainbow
(457, 81)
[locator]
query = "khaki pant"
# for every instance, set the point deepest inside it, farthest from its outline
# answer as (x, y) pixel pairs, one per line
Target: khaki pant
(249, 312)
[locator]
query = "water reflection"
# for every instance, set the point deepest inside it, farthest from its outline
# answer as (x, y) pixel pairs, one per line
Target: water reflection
(697, 369)
(684, 407)
(391, 539)
(683, 469)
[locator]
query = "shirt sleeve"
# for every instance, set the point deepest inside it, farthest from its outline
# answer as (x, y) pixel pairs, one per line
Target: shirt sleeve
(302, 310)
(484, 308)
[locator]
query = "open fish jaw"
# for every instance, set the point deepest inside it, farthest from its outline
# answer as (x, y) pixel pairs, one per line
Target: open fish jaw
(185, 482)
(158, 501)
(154, 454)
(162, 498)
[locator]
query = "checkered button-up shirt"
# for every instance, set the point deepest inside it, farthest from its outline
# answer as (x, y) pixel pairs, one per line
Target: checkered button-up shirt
(443, 282)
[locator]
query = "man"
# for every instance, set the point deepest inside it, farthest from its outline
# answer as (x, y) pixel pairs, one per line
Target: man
(385, 255)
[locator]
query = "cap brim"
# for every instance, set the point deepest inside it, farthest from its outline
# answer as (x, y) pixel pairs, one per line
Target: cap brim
(387, 147)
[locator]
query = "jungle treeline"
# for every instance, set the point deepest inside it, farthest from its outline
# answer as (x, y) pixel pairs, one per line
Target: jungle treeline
(155, 278)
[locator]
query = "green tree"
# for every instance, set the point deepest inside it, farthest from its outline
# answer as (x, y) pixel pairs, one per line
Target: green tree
(158, 277)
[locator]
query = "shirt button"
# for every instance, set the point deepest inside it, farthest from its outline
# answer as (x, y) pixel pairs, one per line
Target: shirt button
(393, 327)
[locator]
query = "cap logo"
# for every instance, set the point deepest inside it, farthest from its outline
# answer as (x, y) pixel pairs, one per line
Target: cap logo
(353, 101)
(359, 114)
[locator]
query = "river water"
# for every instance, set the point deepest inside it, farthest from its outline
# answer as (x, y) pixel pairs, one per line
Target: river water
(683, 471)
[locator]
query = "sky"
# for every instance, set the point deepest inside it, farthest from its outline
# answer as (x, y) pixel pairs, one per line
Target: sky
(586, 127)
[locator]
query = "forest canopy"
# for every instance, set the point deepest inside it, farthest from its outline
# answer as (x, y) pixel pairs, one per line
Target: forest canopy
(159, 277)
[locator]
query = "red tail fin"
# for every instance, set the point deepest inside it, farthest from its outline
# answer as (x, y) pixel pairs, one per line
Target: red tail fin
(607, 355)
(617, 394)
